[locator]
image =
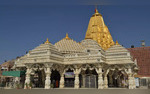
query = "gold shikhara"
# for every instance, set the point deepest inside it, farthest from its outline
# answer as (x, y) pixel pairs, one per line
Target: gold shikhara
(98, 31)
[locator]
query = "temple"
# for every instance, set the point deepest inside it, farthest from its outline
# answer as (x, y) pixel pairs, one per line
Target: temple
(95, 62)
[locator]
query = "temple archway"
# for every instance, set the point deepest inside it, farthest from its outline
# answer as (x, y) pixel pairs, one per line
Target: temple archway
(69, 78)
(37, 76)
(117, 78)
(88, 78)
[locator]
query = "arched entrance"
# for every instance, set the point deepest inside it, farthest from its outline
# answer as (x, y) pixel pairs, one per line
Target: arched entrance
(69, 78)
(37, 76)
(38, 79)
(55, 79)
(117, 78)
(88, 79)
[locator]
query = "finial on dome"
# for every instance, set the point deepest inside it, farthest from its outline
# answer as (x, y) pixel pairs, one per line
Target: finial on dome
(67, 36)
(47, 41)
(117, 42)
(96, 11)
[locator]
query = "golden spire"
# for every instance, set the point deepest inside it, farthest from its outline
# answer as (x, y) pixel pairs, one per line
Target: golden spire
(98, 31)
(117, 42)
(66, 36)
(47, 41)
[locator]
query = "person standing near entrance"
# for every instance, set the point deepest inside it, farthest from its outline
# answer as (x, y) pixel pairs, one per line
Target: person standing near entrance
(57, 83)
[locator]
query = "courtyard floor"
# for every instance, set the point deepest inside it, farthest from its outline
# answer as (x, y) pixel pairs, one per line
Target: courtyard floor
(74, 91)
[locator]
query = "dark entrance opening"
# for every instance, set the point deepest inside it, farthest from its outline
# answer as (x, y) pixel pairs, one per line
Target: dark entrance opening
(117, 79)
(69, 78)
(55, 79)
(89, 79)
(38, 79)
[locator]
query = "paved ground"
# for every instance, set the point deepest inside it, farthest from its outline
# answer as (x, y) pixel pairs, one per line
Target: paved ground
(74, 91)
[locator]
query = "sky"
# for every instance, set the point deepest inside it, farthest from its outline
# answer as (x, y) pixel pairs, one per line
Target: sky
(25, 24)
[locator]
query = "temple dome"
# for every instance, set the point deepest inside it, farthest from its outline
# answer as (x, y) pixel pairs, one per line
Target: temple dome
(67, 45)
(98, 31)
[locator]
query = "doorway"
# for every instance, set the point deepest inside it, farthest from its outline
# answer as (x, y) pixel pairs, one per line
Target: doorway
(38, 79)
(118, 79)
(55, 79)
(69, 78)
(89, 79)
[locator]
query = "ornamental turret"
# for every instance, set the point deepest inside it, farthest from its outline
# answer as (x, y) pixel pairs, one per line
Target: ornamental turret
(98, 31)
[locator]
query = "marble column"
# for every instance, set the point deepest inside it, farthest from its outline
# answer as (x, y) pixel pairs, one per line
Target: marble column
(100, 81)
(105, 82)
(133, 79)
(100, 78)
(62, 81)
(27, 81)
(130, 79)
(76, 82)
(48, 78)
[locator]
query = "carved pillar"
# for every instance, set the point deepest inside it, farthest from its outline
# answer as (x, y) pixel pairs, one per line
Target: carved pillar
(62, 81)
(130, 79)
(48, 78)
(76, 83)
(27, 81)
(105, 82)
(100, 78)
(105, 79)
(133, 79)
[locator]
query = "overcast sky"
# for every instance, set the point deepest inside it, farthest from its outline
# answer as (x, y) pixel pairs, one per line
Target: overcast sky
(25, 24)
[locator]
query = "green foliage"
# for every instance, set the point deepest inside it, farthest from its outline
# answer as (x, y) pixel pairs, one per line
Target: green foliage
(30, 84)
(17, 86)
(26, 85)
(52, 86)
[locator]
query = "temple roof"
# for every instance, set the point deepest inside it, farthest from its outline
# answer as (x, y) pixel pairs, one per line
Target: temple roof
(117, 54)
(43, 53)
(91, 45)
(67, 45)
(9, 63)
(98, 31)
